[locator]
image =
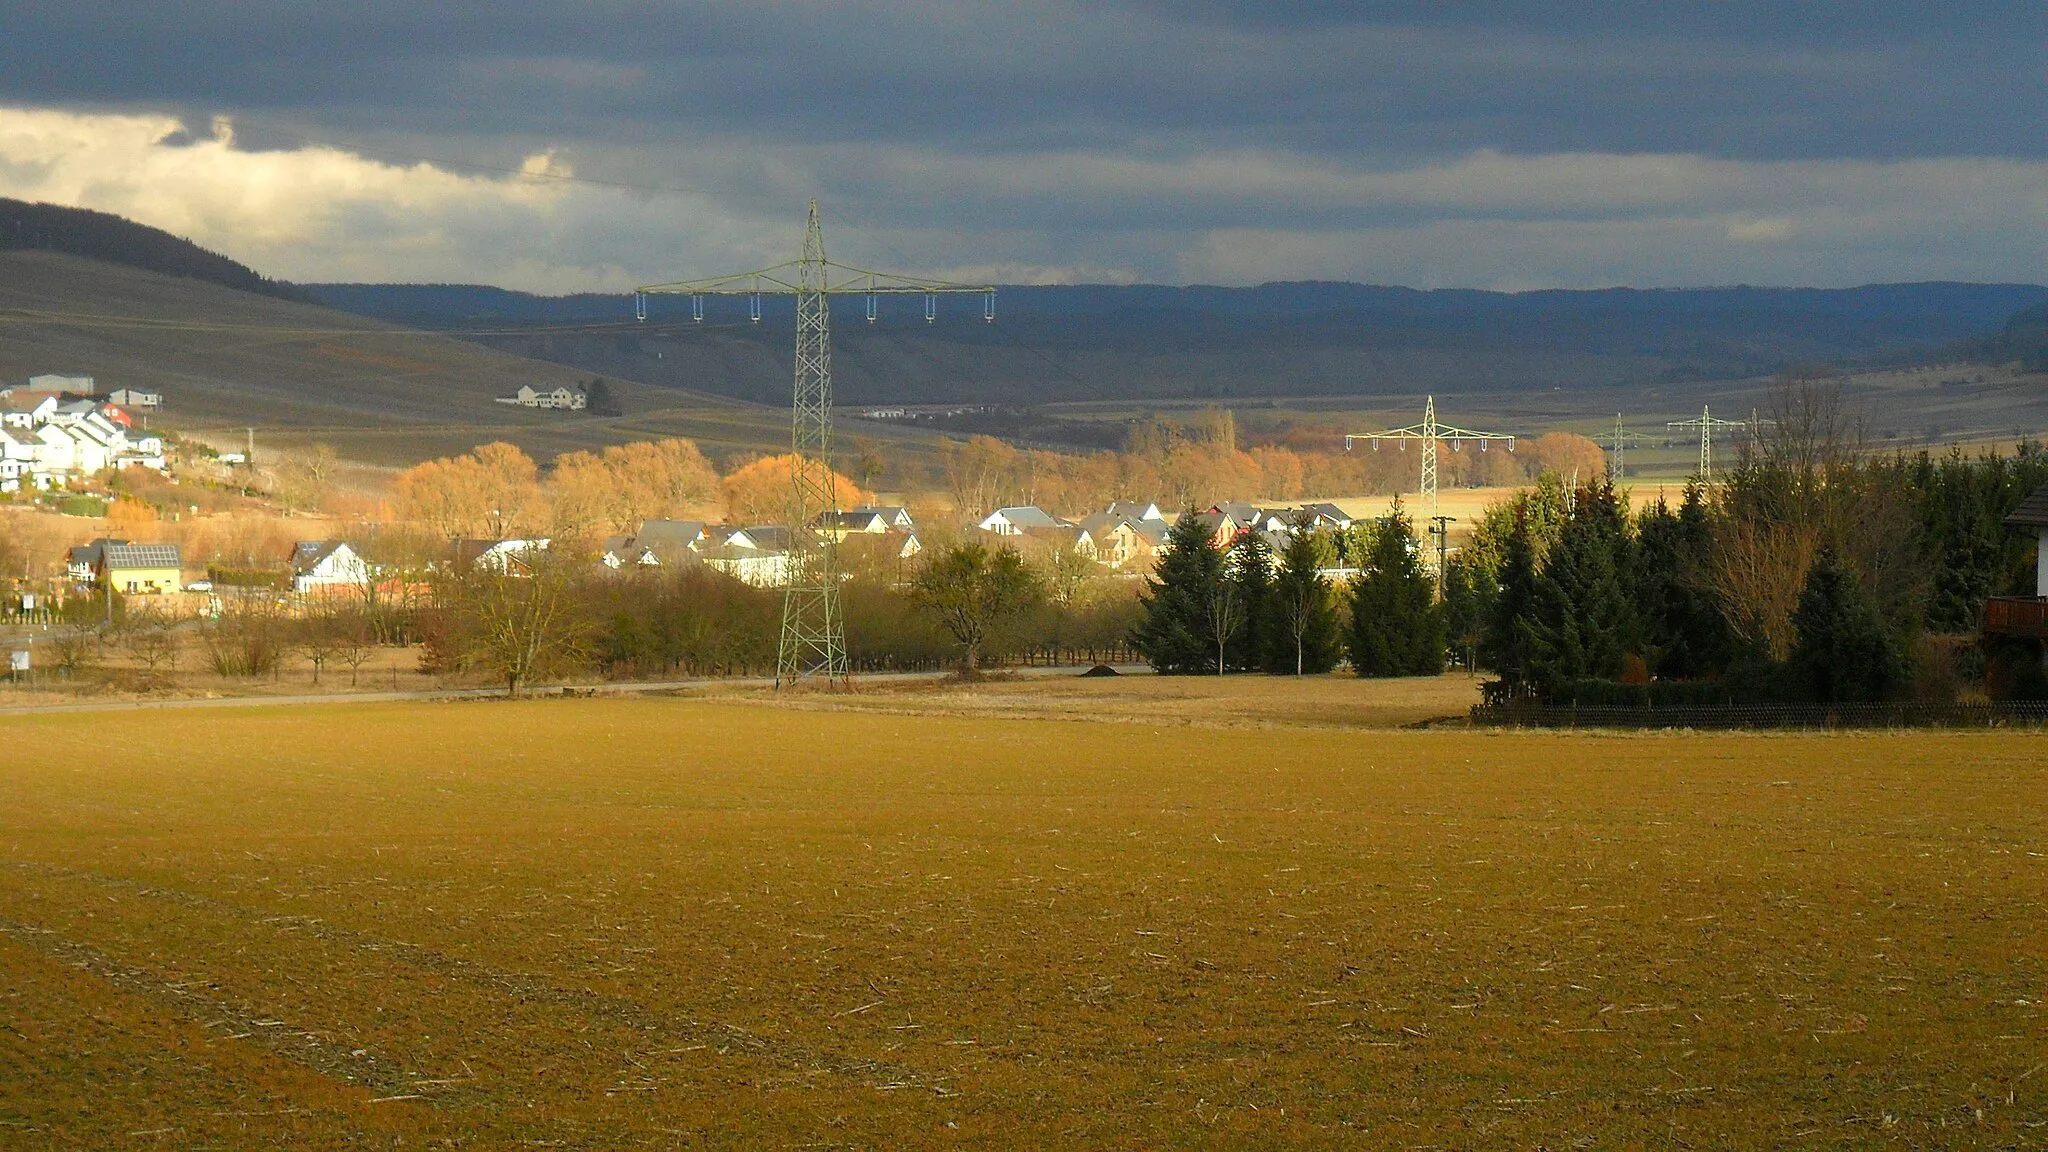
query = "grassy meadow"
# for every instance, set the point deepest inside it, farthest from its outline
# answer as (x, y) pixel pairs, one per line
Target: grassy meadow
(1069, 914)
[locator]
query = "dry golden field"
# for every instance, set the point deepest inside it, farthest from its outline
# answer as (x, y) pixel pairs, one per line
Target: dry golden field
(963, 919)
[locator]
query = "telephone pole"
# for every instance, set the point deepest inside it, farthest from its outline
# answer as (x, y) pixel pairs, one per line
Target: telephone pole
(813, 639)
(1440, 527)
(1706, 423)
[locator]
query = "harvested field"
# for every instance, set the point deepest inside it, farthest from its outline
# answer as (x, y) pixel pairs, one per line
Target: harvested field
(692, 923)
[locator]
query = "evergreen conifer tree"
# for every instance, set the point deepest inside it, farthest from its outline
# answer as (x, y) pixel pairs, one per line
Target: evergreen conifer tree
(1305, 637)
(1251, 575)
(1396, 627)
(1843, 653)
(1684, 634)
(1503, 645)
(1176, 633)
(1582, 621)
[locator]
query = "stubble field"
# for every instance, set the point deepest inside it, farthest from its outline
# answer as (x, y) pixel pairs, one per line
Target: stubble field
(691, 923)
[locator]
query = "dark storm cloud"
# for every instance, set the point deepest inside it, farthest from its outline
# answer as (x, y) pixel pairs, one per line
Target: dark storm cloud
(1506, 144)
(1744, 80)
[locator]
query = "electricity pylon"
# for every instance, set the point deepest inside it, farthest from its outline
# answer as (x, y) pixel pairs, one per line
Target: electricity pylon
(1617, 451)
(1706, 423)
(813, 639)
(1430, 433)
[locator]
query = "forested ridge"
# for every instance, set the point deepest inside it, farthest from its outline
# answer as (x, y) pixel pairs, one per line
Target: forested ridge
(117, 240)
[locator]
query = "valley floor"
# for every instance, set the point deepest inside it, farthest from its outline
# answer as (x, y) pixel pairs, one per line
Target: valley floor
(1227, 916)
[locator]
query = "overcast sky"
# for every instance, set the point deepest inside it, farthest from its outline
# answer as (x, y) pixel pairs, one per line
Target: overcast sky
(1570, 143)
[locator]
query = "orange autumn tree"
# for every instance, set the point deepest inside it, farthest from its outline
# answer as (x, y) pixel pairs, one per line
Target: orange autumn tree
(492, 492)
(760, 492)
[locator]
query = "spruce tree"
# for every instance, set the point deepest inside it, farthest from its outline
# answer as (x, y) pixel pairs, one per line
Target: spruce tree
(1305, 637)
(1503, 645)
(1582, 621)
(1843, 653)
(1396, 627)
(1251, 575)
(1685, 636)
(1176, 634)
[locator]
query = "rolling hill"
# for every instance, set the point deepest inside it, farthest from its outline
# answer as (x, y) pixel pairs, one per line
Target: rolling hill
(1095, 343)
(228, 359)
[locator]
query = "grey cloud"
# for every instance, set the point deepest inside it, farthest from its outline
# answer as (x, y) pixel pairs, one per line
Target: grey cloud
(1754, 80)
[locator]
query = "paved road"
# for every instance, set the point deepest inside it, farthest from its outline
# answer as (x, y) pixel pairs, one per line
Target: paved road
(610, 689)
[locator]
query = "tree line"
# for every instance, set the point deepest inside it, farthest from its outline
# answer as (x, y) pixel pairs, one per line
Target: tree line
(1816, 571)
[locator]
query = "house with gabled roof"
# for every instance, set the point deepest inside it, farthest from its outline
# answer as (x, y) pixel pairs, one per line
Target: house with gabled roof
(2026, 617)
(512, 557)
(1224, 528)
(141, 569)
(896, 516)
(22, 408)
(328, 564)
(83, 562)
(1136, 510)
(852, 522)
(1013, 521)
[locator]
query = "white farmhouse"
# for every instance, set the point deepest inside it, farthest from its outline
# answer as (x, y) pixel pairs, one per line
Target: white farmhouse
(563, 397)
(327, 564)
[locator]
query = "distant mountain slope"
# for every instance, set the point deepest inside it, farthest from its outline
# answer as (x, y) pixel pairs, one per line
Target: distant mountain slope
(117, 240)
(1153, 342)
(228, 359)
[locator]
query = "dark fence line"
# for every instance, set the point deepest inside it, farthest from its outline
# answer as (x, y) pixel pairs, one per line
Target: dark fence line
(2021, 714)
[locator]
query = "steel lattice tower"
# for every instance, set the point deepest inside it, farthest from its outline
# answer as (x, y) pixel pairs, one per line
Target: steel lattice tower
(1430, 433)
(813, 639)
(1706, 423)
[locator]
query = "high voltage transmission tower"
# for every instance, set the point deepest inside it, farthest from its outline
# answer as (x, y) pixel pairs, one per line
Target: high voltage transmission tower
(1430, 433)
(1706, 422)
(813, 640)
(1617, 450)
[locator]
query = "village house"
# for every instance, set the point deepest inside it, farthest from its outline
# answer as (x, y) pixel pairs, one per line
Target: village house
(562, 397)
(2026, 617)
(136, 398)
(895, 517)
(758, 555)
(511, 557)
(58, 436)
(20, 408)
(620, 552)
(52, 382)
(328, 564)
(1136, 511)
(140, 569)
(1013, 521)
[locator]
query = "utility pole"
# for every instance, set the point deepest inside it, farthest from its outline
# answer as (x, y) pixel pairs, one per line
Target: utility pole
(249, 457)
(1440, 527)
(1706, 423)
(1430, 433)
(813, 638)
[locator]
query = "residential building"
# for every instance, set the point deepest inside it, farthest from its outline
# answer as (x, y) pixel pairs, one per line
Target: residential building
(21, 408)
(328, 564)
(505, 556)
(2026, 617)
(136, 398)
(83, 562)
(561, 397)
(1013, 521)
(896, 517)
(51, 382)
(140, 569)
(621, 552)
(758, 555)
(1136, 511)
